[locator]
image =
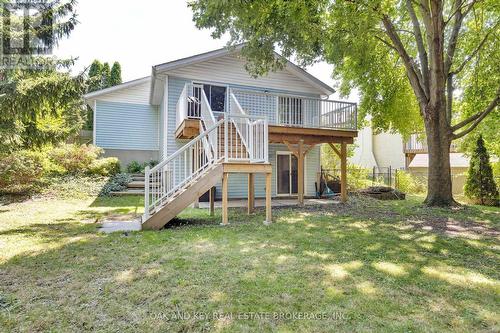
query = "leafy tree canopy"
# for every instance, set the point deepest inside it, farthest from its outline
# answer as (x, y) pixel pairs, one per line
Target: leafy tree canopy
(353, 37)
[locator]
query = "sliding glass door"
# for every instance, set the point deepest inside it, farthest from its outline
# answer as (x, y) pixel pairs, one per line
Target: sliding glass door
(287, 175)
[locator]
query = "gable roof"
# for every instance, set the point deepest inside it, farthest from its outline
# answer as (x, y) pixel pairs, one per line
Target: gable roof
(156, 90)
(123, 85)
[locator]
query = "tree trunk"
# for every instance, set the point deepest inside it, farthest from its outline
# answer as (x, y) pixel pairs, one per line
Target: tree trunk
(439, 191)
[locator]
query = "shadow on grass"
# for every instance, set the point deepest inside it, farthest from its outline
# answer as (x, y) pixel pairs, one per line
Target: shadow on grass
(363, 260)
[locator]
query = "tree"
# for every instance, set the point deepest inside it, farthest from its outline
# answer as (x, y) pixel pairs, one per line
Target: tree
(480, 183)
(94, 76)
(40, 102)
(105, 76)
(116, 74)
(413, 61)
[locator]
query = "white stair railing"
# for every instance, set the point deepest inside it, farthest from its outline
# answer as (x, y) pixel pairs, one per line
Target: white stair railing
(222, 140)
(253, 131)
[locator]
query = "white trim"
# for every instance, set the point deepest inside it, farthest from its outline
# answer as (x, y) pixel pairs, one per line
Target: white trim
(124, 85)
(94, 125)
(134, 149)
(289, 153)
(165, 120)
(216, 84)
(292, 68)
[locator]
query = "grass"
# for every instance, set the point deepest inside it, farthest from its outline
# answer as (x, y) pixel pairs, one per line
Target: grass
(364, 266)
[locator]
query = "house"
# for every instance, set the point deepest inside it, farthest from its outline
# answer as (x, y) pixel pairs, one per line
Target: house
(389, 150)
(209, 123)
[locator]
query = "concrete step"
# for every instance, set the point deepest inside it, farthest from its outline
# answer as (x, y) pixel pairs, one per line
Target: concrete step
(136, 184)
(128, 192)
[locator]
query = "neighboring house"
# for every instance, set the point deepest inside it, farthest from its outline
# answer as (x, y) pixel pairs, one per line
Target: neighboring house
(197, 113)
(384, 150)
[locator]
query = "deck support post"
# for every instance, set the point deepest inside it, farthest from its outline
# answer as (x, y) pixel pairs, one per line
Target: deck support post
(211, 199)
(251, 193)
(225, 178)
(300, 170)
(343, 172)
(268, 199)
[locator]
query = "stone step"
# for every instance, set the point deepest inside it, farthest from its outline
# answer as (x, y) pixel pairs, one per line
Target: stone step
(128, 192)
(136, 184)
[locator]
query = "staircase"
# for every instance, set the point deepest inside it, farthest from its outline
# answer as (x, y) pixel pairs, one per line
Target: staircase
(184, 176)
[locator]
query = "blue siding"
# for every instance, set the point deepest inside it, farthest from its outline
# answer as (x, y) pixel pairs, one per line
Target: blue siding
(127, 126)
(238, 184)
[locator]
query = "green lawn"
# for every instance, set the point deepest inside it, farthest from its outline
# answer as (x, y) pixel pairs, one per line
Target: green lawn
(364, 266)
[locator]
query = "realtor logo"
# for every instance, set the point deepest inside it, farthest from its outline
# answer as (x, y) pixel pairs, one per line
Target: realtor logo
(27, 27)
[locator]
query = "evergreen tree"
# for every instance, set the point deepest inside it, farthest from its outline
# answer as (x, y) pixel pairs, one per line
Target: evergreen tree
(480, 183)
(116, 74)
(105, 76)
(94, 80)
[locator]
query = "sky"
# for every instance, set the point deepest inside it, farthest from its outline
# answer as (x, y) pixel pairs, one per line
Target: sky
(142, 34)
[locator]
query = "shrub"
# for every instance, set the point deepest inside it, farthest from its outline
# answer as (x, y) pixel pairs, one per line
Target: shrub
(480, 184)
(138, 167)
(105, 167)
(357, 178)
(75, 158)
(135, 167)
(116, 183)
(20, 172)
(408, 183)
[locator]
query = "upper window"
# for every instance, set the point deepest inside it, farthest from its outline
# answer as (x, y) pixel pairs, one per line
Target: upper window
(216, 96)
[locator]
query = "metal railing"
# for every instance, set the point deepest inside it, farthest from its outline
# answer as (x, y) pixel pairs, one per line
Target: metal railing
(298, 111)
(417, 144)
(253, 131)
(235, 137)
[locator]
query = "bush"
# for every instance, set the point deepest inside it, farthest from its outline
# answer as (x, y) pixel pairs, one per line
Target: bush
(135, 167)
(357, 178)
(480, 184)
(408, 183)
(105, 167)
(116, 183)
(138, 167)
(20, 172)
(75, 158)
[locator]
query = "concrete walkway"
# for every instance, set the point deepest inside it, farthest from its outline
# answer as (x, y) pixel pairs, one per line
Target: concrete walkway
(120, 226)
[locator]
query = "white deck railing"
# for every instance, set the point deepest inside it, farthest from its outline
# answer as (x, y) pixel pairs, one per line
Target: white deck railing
(235, 137)
(253, 131)
(298, 111)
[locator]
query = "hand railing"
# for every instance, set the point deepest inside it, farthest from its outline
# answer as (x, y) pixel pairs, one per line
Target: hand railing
(236, 137)
(298, 111)
(253, 131)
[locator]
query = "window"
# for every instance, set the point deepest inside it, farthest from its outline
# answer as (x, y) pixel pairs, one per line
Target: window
(216, 96)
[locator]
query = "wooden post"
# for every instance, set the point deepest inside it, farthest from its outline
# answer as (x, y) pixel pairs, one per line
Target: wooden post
(301, 173)
(225, 179)
(343, 171)
(251, 193)
(268, 199)
(211, 198)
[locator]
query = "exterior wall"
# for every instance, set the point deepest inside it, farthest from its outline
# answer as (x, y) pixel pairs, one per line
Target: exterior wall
(231, 70)
(388, 150)
(458, 177)
(127, 156)
(238, 184)
(126, 126)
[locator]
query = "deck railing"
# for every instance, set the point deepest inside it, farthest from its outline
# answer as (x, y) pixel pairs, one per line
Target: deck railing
(231, 138)
(417, 144)
(298, 111)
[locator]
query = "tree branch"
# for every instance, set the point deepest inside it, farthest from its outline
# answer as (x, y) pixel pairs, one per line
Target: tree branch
(414, 77)
(475, 119)
(386, 43)
(473, 54)
(452, 43)
(422, 53)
